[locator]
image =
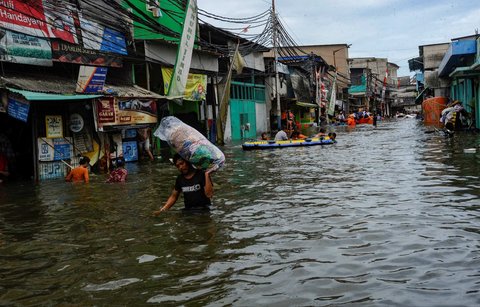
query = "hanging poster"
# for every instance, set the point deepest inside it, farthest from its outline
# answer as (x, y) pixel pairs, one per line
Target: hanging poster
(196, 85)
(54, 126)
(130, 151)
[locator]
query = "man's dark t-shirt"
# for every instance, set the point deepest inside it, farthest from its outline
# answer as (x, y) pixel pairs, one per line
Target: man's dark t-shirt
(193, 191)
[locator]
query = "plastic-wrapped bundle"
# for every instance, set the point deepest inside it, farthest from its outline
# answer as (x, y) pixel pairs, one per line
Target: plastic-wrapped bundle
(190, 144)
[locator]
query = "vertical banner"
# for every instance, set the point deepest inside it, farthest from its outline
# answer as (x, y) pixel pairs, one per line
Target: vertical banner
(333, 98)
(185, 50)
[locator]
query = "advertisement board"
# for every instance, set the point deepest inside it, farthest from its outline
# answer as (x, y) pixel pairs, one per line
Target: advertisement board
(70, 53)
(47, 18)
(196, 85)
(125, 111)
(91, 79)
(24, 49)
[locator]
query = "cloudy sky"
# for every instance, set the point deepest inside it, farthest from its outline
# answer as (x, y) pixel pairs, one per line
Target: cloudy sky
(390, 29)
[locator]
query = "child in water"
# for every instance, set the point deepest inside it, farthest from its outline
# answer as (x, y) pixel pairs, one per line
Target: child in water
(119, 174)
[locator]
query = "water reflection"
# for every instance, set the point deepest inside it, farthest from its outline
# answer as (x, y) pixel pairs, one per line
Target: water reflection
(386, 216)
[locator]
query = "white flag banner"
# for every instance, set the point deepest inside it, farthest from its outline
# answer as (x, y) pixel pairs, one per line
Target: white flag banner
(184, 54)
(333, 99)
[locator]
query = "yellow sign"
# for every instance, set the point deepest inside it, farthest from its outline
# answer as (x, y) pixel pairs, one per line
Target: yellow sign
(54, 126)
(196, 88)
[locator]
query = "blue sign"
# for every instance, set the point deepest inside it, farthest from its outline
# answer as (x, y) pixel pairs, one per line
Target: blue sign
(18, 110)
(97, 80)
(62, 152)
(113, 41)
(130, 151)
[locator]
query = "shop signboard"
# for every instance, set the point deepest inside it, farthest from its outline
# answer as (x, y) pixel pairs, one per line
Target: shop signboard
(78, 54)
(18, 109)
(40, 18)
(54, 149)
(25, 17)
(21, 48)
(125, 112)
(91, 79)
(54, 126)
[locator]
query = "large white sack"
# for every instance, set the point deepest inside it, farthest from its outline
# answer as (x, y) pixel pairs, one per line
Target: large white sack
(190, 144)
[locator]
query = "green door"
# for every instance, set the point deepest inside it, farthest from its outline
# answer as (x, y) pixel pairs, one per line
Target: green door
(242, 111)
(243, 119)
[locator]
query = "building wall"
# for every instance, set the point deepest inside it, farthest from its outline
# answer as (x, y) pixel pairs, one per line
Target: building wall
(433, 55)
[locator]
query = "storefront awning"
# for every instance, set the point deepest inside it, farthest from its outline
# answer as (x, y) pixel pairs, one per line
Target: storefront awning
(37, 96)
(306, 104)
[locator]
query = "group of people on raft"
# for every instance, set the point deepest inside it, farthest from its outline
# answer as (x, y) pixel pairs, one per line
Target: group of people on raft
(286, 134)
(360, 117)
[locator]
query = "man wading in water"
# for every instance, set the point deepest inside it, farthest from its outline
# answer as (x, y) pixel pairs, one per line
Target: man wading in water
(196, 185)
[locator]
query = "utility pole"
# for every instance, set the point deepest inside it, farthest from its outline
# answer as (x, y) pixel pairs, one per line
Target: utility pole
(275, 55)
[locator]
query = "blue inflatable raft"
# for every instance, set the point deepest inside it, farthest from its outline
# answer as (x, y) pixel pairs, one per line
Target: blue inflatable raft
(289, 143)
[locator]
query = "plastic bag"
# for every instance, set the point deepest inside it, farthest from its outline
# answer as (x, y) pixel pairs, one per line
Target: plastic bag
(190, 144)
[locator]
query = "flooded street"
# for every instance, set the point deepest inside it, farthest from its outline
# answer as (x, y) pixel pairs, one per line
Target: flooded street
(385, 217)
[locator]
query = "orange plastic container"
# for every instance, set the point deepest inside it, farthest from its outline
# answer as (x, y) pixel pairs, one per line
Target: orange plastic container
(432, 109)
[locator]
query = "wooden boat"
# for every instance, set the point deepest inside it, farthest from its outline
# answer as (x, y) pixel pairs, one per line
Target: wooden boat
(289, 143)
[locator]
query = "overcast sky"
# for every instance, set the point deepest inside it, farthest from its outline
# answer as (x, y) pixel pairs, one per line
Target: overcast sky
(390, 29)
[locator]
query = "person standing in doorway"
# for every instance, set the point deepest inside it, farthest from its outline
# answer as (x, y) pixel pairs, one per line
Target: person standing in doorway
(144, 142)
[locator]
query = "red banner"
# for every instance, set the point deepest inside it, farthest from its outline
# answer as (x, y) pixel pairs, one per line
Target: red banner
(23, 17)
(39, 18)
(106, 110)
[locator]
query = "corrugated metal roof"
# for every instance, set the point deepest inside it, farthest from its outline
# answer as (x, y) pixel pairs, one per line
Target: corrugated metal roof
(38, 96)
(44, 84)
(62, 86)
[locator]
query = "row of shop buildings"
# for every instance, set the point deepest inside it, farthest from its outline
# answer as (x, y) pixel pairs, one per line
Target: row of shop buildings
(450, 70)
(81, 77)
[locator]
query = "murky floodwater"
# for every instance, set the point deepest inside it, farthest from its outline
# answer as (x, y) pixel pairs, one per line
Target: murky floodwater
(386, 217)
